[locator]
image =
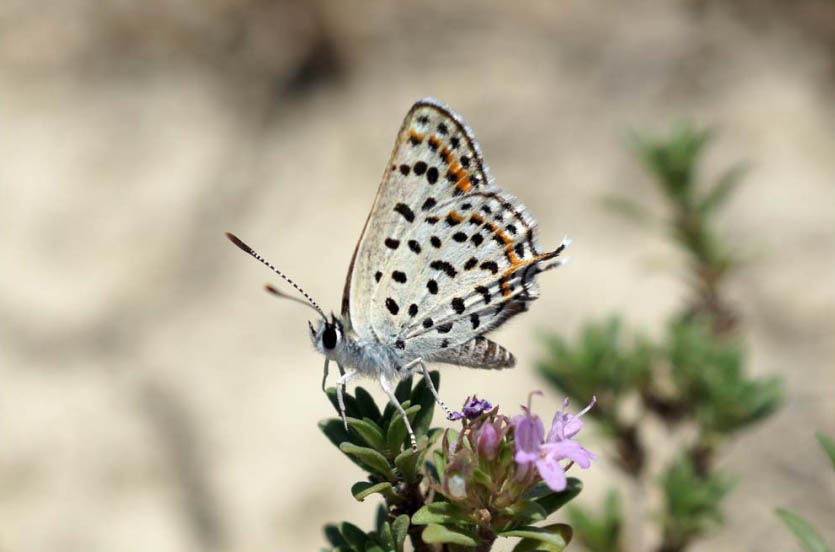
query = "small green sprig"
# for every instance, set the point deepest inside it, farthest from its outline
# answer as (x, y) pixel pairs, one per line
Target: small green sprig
(477, 486)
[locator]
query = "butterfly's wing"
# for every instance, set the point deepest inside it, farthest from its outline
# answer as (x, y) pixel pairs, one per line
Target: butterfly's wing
(479, 352)
(445, 255)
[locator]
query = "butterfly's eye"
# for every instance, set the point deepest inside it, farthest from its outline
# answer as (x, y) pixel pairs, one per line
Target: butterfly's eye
(329, 337)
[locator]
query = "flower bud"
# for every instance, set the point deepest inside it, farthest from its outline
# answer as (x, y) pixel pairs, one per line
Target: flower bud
(488, 440)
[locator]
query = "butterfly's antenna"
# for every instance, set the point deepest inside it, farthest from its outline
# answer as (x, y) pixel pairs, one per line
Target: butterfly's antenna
(247, 249)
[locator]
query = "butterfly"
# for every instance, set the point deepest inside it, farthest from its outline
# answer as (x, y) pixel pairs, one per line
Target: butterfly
(445, 257)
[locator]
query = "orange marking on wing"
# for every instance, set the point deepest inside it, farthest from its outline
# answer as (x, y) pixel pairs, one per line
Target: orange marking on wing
(454, 215)
(478, 218)
(435, 141)
(416, 136)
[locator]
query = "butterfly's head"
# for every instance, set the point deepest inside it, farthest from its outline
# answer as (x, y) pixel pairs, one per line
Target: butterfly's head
(328, 337)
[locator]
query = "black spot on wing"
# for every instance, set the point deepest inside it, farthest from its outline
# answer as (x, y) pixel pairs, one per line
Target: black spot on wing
(444, 328)
(432, 175)
(378, 275)
(477, 239)
(391, 305)
(399, 277)
(458, 305)
(485, 293)
(432, 286)
(405, 169)
(444, 266)
(413, 310)
(420, 168)
(392, 243)
(427, 323)
(435, 241)
(414, 246)
(428, 204)
(460, 237)
(404, 210)
(491, 266)
(471, 262)
(474, 320)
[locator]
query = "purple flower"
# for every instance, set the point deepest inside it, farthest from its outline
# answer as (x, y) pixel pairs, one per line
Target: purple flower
(488, 438)
(533, 449)
(473, 408)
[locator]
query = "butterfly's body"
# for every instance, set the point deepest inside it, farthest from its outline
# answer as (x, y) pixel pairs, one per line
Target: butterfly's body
(445, 257)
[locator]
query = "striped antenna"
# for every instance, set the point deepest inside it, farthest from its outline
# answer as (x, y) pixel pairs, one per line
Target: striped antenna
(247, 249)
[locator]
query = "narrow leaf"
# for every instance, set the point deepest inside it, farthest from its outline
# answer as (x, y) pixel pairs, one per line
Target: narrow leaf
(440, 534)
(553, 501)
(397, 429)
(366, 405)
(406, 462)
(808, 536)
(370, 457)
(355, 536)
(440, 512)
(550, 538)
(828, 446)
(400, 529)
(334, 536)
(369, 431)
(363, 489)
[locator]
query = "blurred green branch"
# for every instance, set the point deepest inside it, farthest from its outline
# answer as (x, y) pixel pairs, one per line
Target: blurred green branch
(693, 376)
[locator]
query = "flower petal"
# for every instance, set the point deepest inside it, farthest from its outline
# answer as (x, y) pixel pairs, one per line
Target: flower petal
(570, 449)
(529, 433)
(552, 473)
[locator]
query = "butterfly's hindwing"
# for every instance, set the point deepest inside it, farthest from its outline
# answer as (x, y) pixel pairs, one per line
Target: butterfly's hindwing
(446, 255)
(478, 352)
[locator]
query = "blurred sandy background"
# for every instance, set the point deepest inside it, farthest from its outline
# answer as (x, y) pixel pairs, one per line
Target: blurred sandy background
(154, 398)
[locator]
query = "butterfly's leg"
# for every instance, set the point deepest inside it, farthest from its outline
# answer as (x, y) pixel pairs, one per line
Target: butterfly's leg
(340, 389)
(325, 375)
(386, 385)
(418, 362)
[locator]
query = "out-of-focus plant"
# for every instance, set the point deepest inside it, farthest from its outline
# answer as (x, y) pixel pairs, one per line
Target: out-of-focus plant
(805, 532)
(693, 377)
(491, 477)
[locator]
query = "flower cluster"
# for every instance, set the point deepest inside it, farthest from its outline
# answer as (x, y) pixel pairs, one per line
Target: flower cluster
(494, 462)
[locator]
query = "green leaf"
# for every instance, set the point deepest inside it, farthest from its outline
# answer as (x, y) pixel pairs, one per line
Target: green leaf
(423, 396)
(553, 501)
(370, 458)
(723, 189)
(440, 534)
(828, 447)
(525, 512)
(386, 536)
(808, 536)
(366, 405)
(355, 536)
(440, 512)
(404, 389)
(351, 407)
(400, 529)
(363, 489)
(551, 538)
(334, 536)
(369, 431)
(373, 547)
(397, 428)
(406, 462)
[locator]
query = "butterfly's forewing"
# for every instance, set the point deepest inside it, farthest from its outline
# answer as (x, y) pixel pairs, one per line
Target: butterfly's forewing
(445, 255)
